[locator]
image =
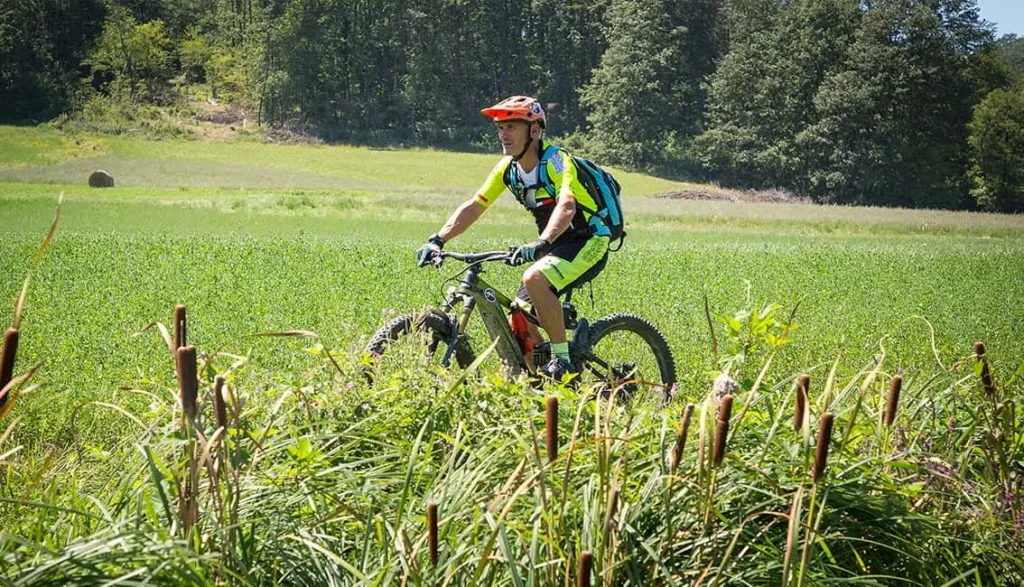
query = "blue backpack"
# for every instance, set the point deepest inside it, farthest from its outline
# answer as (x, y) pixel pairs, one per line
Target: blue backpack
(605, 190)
(601, 186)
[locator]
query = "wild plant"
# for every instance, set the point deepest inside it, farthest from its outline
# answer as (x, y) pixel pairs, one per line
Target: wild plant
(426, 477)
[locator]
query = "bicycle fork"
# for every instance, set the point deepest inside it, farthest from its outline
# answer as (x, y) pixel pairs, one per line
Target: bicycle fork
(457, 326)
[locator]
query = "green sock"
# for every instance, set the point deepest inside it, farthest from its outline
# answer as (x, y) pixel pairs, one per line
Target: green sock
(561, 350)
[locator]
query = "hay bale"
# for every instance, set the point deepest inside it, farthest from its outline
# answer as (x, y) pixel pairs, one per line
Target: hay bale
(101, 179)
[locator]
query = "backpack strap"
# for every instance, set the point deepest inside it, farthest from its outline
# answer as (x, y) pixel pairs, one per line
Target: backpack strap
(512, 182)
(622, 241)
(542, 172)
(509, 176)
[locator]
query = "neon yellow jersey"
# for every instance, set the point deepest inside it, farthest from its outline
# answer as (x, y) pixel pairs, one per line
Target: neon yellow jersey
(494, 185)
(561, 180)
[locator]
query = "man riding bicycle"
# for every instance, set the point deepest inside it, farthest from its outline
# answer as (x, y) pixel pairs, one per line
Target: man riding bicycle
(572, 247)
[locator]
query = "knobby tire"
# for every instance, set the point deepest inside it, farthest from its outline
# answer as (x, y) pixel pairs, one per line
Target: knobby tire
(431, 321)
(654, 339)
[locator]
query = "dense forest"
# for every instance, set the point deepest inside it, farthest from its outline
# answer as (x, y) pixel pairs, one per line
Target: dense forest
(886, 102)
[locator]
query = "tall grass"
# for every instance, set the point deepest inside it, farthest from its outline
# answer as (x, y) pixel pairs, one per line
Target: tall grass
(426, 479)
(314, 477)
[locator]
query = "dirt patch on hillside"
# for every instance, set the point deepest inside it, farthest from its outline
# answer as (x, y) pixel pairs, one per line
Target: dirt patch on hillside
(217, 121)
(213, 132)
(773, 196)
(224, 115)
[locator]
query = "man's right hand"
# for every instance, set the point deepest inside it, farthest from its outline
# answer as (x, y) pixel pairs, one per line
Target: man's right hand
(430, 249)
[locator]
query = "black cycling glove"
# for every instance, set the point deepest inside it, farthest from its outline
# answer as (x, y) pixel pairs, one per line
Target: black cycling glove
(426, 253)
(529, 252)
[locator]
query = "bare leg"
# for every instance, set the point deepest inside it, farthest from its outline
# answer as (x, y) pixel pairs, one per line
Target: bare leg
(545, 303)
(534, 333)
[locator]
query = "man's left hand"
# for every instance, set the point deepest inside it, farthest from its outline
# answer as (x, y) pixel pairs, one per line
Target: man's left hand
(529, 252)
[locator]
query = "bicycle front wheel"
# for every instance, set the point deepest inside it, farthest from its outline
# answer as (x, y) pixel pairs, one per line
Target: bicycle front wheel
(426, 333)
(629, 357)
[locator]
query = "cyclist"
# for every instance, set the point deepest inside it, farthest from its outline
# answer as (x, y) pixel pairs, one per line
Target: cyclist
(572, 245)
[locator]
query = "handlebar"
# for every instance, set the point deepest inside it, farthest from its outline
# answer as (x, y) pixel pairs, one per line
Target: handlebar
(471, 258)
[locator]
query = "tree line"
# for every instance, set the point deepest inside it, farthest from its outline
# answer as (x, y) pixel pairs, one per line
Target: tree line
(886, 102)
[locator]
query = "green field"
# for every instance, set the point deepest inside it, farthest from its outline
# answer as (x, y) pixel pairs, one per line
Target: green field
(259, 238)
(247, 258)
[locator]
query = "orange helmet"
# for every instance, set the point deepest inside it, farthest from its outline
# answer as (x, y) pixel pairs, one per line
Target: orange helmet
(517, 108)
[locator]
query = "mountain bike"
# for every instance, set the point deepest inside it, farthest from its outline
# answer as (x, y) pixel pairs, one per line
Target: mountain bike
(622, 353)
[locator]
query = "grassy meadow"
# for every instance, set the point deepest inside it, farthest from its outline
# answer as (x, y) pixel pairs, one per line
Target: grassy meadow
(323, 479)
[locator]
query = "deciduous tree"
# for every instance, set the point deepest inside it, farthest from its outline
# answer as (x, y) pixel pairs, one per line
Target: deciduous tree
(997, 151)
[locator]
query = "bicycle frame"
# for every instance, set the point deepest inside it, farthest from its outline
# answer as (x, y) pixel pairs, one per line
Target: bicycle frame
(512, 337)
(494, 306)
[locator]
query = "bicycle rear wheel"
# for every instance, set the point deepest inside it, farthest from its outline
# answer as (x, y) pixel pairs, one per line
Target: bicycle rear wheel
(628, 357)
(430, 329)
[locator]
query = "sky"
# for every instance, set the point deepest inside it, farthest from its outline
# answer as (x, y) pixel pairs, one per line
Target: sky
(1007, 15)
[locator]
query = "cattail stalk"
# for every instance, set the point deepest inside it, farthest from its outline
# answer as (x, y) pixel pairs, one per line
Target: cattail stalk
(792, 535)
(220, 411)
(986, 374)
(10, 350)
(180, 338)
(188, 381)
(432, 532)
(188, 390)
(684, 428)
(803, 383)
(824, 438)
(722, 433)
(613, 508)
(220, 407)
(895, 386)
(586, 566)
(551, 424)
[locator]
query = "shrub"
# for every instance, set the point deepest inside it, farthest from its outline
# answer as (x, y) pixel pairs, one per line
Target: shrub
(997, 150)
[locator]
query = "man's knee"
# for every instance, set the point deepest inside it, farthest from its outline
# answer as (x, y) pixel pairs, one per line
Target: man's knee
(534, 279)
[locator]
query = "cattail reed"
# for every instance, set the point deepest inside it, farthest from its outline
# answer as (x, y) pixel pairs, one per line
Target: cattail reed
(986, 374)
(586, 566)
(684, 427)
(219, 406)
(722, 434)
(551, 424)
(824, 438)
(895, 385)
(613, 508)
(180, 338)
(802, 384)
(188, 381)
(188, 389)
(432, 532)
(10, 349)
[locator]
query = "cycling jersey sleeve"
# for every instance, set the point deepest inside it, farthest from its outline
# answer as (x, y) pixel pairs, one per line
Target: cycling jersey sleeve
(494, 185)
(565, 171)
